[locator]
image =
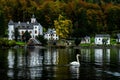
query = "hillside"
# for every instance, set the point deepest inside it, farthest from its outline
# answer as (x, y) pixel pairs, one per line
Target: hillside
(88, 16)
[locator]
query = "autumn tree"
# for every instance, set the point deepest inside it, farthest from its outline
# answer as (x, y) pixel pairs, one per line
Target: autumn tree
(113, 18)
(63, 26)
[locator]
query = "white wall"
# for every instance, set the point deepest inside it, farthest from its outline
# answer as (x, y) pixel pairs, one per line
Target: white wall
(98, 40)
(10, 32)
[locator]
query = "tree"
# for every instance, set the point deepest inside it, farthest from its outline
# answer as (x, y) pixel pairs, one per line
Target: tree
(63, 27)
(113, 18)
(41, 39)
(81, 28)
(26, 36)
(77, 41)
(16, 33)
(2, 28)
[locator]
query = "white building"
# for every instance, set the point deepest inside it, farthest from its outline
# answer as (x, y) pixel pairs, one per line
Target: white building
(51, 35)
(33, 27)
(118, 37)
(100, 37)
(86, 39)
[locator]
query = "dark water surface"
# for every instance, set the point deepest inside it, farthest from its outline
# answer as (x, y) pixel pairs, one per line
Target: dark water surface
(54, 64)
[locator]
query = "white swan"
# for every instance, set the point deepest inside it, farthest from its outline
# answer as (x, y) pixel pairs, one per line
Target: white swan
(76, 63)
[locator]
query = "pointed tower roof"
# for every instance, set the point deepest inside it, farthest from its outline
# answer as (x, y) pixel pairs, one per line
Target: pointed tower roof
(10, 22)
(33, 19)
(33, 16)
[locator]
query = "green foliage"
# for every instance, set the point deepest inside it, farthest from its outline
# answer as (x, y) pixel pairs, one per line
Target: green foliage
(2, 22)
(86, 16)
(12, 43)
(7, 43)
(17, 34)
(113, 18)
(77, 41)
(112, 41)
(26, 36)
(63, 27)
(41, 39)
(20, 43)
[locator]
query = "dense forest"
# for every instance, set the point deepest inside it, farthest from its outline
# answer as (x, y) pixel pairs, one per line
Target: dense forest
(76, 18)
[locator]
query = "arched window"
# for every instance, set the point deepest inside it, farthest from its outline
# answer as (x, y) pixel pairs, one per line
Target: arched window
(35, 31)
(22, 32)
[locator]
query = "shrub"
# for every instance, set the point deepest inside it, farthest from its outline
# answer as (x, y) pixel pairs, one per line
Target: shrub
(7, 43)
(41, 39)
(12, 43)
(77, 41)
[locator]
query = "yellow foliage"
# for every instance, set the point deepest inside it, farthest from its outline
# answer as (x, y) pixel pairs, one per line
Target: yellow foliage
(63, 26)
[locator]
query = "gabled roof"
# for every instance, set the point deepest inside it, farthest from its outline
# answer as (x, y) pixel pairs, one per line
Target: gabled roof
(102, 35)
(51, 31)
(10, 22)
(24, 25)
(118, 35)
(87, 37)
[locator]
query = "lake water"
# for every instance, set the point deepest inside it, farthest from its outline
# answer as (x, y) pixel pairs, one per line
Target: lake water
(54, 64)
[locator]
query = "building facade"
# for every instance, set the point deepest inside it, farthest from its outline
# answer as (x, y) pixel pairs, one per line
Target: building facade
(118, 38)
(99, 39)
(51, 35)
(33, 27)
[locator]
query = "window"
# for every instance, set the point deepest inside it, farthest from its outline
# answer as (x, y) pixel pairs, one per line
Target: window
(30, 31)
(27, 26)
(11, 31)
(22, 32)
(18, 26)
(35, 31)
(35, 27)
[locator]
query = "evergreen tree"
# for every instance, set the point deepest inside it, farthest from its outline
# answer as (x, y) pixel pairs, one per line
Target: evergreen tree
(26, 36)
(16, 34)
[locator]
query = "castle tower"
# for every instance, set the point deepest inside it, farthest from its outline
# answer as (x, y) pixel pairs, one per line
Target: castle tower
(33, 19)
(11, 30)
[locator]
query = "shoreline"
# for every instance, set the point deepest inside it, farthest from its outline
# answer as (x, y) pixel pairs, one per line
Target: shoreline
(63, 46)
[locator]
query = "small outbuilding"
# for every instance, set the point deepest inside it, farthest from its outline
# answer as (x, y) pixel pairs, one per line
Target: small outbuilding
(118, 38)
(51, 35)
(86, 39)
(102, 39)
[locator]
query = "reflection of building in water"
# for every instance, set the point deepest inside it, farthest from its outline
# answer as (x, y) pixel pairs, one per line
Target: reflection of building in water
(98, 56)
(36, 72)
(35, 63)
(30, 64)
(11, 58)
(51, 57)
(102, 54)
(107, 56)
(35, 58)
(21, 61)
(119, 55)
(85, 55)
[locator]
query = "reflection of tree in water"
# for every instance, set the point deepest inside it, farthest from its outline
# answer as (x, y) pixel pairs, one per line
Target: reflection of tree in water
(77, 51)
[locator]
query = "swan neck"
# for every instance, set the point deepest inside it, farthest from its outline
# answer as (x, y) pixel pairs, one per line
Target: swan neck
(77, 58)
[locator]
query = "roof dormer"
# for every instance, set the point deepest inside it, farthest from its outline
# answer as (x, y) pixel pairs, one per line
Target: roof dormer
(10, 22)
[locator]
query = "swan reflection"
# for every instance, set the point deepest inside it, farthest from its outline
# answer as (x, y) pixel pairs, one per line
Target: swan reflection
(75, 65)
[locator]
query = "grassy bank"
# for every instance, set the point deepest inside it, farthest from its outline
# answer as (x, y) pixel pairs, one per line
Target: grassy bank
(20, 43)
